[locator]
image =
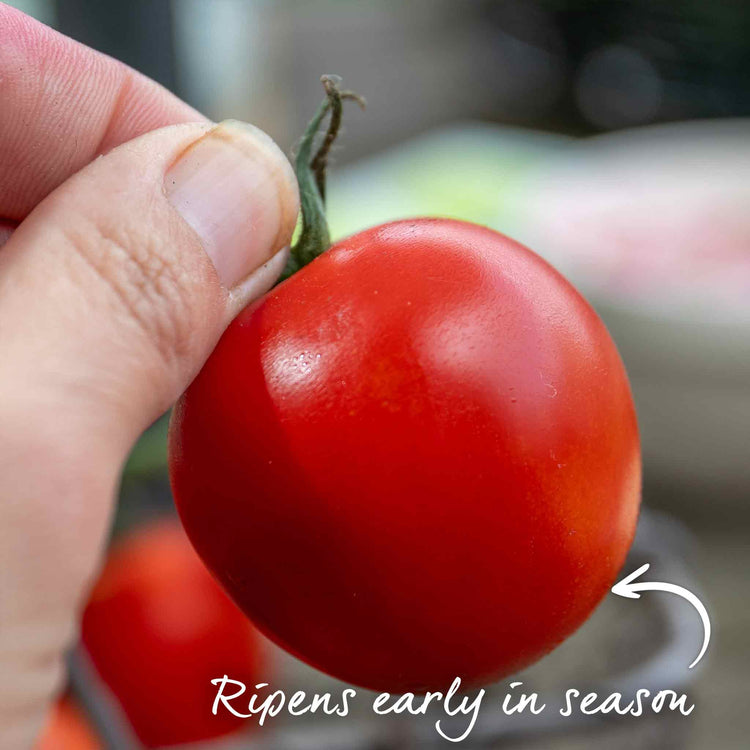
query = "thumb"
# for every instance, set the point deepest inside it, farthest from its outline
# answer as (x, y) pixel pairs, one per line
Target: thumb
(113, 292)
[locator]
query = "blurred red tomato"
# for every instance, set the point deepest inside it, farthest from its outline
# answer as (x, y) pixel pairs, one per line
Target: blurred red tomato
(67, 729)
(158, 629)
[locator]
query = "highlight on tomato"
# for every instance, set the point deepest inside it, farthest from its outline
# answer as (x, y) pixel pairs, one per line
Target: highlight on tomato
(158, 629)
(417, 457)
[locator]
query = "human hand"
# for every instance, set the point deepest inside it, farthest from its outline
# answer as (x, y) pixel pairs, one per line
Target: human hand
(117, 276)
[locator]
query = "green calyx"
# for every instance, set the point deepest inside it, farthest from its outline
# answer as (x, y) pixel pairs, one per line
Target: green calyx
(314, 237)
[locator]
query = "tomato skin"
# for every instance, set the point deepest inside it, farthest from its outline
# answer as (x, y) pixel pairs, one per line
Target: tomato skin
(416, 459)
(158, 629)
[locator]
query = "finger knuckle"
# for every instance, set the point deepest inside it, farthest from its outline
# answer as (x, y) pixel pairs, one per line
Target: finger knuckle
(145, 280)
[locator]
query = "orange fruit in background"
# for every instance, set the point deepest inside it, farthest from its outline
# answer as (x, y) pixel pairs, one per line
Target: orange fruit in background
(158, 629)
(67, 729)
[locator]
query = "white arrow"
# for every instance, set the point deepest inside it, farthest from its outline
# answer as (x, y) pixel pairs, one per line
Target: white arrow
(628, 589)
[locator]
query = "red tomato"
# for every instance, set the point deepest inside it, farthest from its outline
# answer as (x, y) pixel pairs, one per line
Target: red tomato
(67, 729)
(416, 459)
(158, 629)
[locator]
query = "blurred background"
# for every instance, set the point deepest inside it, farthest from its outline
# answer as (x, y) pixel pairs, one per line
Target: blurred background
(611, 137)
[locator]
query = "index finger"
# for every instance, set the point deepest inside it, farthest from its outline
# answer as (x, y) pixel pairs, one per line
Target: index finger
(62, 105)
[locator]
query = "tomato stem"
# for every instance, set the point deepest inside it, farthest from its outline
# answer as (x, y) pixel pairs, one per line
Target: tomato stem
(314, 237)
